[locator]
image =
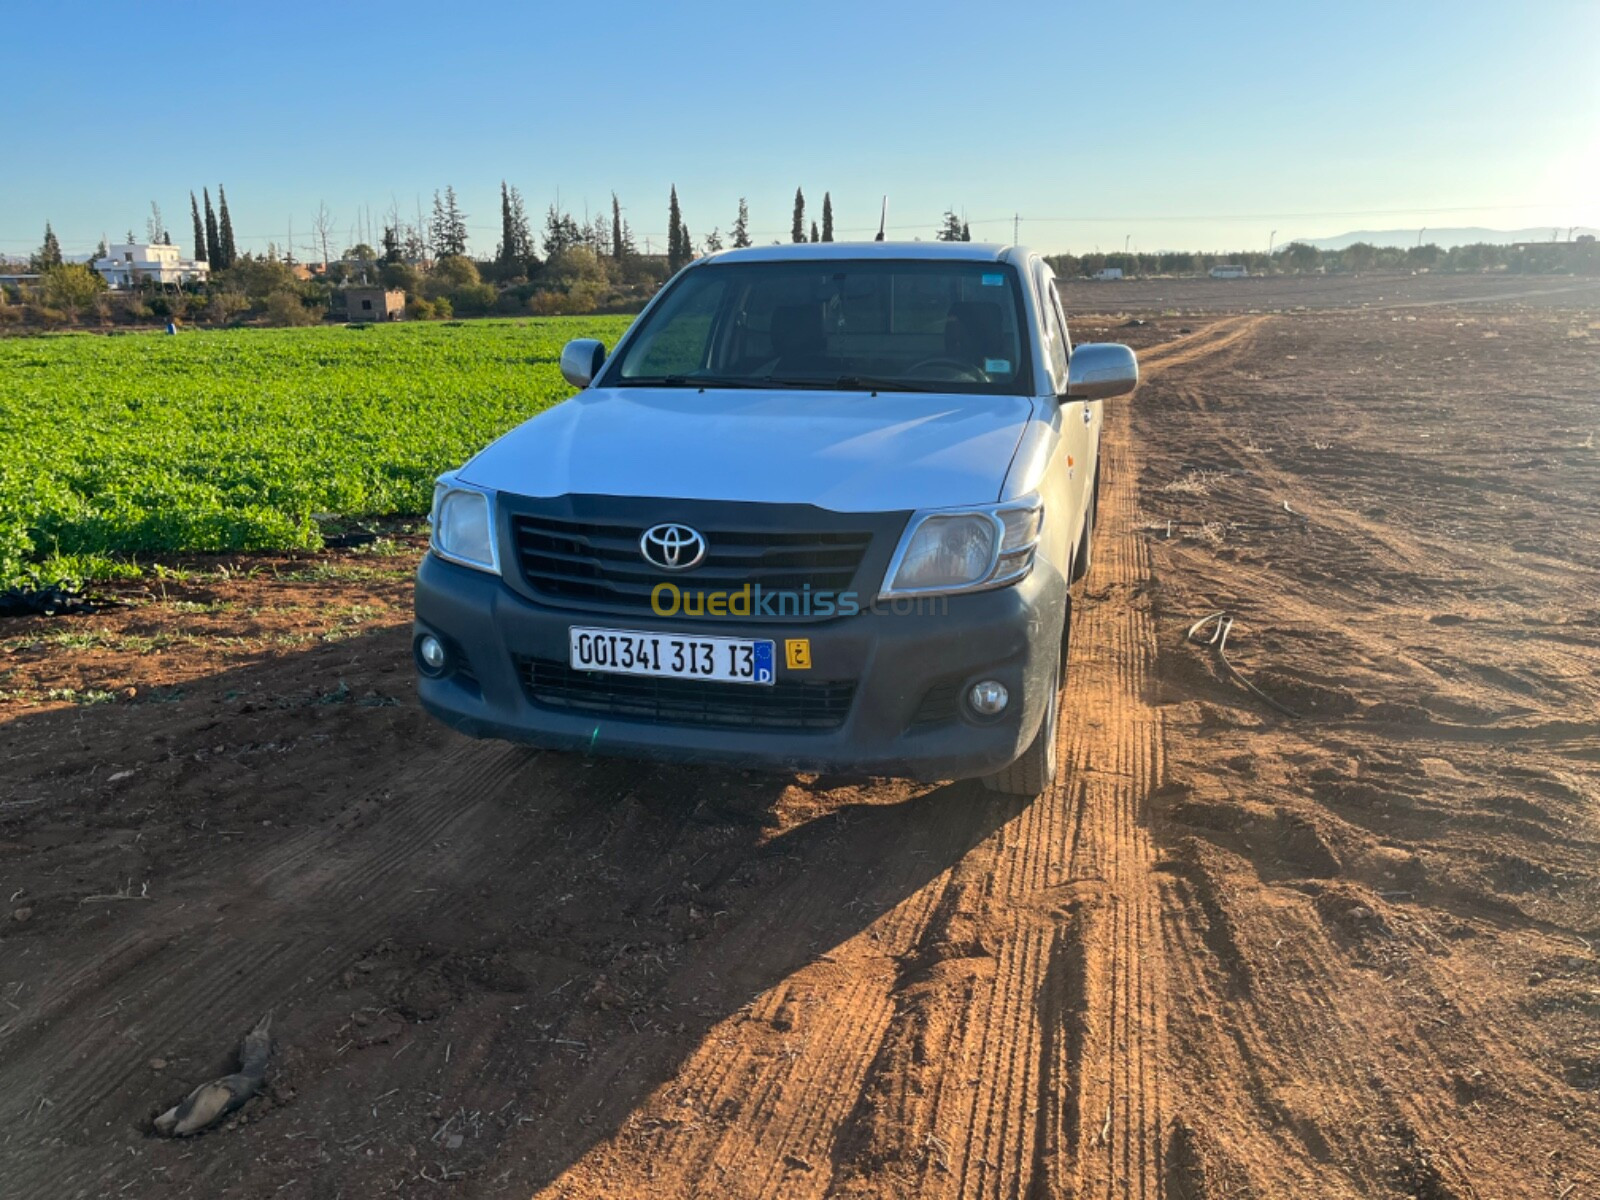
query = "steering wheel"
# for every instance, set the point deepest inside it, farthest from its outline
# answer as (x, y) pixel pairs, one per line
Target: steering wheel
(963, 370)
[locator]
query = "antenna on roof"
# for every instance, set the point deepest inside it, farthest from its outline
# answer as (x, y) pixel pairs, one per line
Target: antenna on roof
(883, 218)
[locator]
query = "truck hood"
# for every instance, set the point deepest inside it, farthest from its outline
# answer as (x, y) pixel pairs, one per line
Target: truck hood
(844, 451)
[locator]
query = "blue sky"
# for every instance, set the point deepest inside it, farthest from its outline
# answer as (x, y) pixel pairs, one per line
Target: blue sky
(1203, 125)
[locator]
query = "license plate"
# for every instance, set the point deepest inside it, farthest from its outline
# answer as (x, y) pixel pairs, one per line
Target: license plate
(671, 655)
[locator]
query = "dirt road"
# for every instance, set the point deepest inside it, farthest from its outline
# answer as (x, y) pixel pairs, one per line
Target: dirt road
(1349, 954)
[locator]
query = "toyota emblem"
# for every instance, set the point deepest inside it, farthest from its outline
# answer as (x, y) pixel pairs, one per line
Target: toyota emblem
(672, 547)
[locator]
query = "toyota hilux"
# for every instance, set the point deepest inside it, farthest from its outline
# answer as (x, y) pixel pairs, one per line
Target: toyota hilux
(822, 508)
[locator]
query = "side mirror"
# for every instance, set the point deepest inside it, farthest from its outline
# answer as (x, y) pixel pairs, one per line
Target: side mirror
(581, 360)
(1100, 370)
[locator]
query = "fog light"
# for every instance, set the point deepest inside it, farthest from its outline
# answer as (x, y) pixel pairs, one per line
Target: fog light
(431, 651)
(988, 698)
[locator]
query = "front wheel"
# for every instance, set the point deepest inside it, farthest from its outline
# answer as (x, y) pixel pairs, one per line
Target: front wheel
(1036, 770)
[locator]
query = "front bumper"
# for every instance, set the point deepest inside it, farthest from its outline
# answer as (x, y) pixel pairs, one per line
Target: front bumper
(910, 670)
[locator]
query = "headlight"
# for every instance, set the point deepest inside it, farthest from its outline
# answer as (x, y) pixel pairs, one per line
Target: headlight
(966, 550)
(463, 526)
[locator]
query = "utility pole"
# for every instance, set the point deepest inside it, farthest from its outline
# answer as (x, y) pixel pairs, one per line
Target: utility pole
(1125, 242)
(1016, 229)
(1420, 232)
(1271, 239)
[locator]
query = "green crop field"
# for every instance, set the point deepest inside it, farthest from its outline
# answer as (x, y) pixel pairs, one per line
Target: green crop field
(116, 449)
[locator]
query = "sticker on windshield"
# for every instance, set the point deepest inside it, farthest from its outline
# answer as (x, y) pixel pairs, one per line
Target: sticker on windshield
(996, 280)
(997, 366)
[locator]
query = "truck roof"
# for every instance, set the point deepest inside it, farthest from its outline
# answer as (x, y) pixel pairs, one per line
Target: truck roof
(810, 251)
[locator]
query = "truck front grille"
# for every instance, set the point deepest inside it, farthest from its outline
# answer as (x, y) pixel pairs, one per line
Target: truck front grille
(588, 562)
(787, 704)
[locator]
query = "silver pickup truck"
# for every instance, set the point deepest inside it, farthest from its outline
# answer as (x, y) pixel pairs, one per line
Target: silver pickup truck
(821, 509)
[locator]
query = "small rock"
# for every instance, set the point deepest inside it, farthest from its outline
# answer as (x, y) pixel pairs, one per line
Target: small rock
(120, 776)
(453, 1142)
(158, 1064)
(22, 914)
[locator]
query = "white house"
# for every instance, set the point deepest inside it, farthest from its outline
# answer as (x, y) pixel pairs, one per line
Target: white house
(128, 263)
(1230, 271)
(1107, 273)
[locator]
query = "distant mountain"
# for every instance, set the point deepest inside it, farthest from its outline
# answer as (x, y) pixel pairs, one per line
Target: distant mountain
(1441, 237)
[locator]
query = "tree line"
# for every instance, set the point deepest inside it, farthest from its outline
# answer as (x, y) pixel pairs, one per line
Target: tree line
(567, 265)
(1300, 258)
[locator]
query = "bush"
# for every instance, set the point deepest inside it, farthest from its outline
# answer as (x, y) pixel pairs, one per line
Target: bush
(70, 287)
(422, 309)
(449, 274)
(286, 308)
(258, 277)
(226, 304)
(475, 299)
(401, 275)
(43, 314)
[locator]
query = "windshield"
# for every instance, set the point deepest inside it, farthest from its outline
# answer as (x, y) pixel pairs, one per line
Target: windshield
(882, 325)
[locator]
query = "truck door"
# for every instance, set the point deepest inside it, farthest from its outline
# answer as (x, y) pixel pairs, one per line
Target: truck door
(1078, 417)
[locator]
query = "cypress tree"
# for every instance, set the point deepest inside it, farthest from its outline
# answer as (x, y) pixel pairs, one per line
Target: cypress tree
(437, 231)
(741, 227)
(516, 239)
(966, 232)
(213, 247)
(199, 229)
(458, 220)
(224, 230)
(827, 217)
(616, 228)
(814, 231)
(508, 237)
(797, 232)
(675, 248)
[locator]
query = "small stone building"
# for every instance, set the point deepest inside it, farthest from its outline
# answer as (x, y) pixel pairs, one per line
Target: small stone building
(374, 304)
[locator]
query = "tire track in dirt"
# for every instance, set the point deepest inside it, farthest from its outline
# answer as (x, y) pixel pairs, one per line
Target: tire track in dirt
(1203, 343)
(1333, 1038)
(72, 1056)
(994, 1029)
(998, 1033)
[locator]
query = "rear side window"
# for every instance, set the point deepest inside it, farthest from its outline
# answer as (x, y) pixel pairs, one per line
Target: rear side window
(1057, 348)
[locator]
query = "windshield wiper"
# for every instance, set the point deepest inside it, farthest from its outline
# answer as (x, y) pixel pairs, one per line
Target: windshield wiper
(685, 381)
(879, 384)
(714, 381)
